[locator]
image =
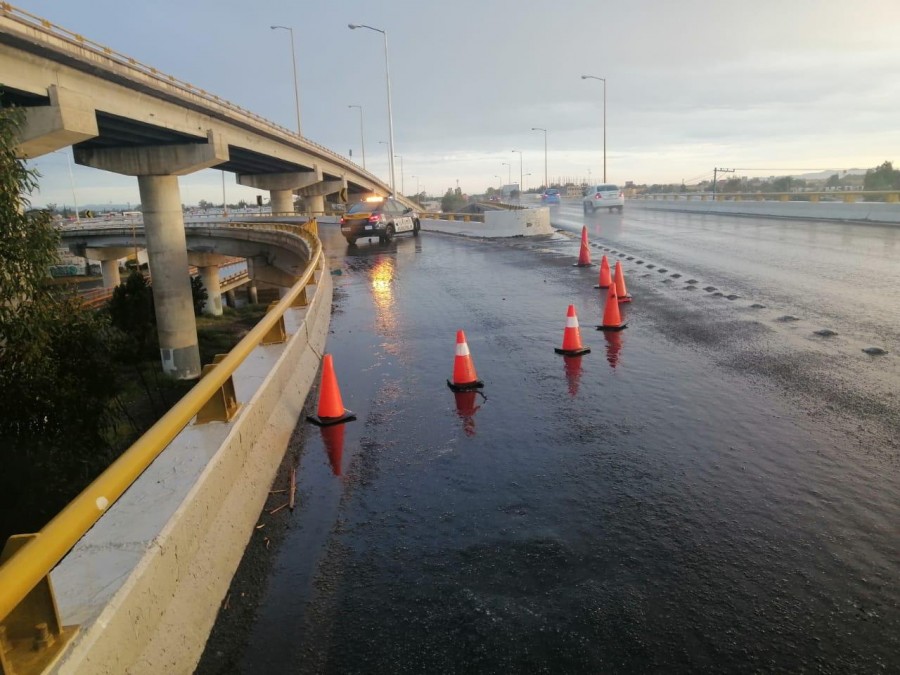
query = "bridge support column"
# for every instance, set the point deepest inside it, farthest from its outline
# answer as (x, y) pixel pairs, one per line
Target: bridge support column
(230, 299)
(210, 277)
(167, 251)
(282, 201)
(110, 271)
(314, 205)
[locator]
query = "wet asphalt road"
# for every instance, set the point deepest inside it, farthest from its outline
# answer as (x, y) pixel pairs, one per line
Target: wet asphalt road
(716, 488)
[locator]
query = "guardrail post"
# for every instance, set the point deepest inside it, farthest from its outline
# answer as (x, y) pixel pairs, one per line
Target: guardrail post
(784, 198)
(277, 334)
(814, 199)
(223, 405)
(32, 635)
(849, 198)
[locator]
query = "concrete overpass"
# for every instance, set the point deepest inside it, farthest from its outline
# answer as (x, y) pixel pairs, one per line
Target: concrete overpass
(126, 117)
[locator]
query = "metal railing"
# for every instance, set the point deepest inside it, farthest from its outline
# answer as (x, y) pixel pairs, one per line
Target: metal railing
(846, 196)
(36, 559)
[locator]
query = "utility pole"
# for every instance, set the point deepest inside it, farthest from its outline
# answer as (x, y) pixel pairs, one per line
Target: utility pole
(716, 175)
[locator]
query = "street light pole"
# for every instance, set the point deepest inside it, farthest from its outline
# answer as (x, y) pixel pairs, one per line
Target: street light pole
(508, 172)
(521, 175)
(294, 63)
(387, 74)
(362, 136)
(402, 179)
(417, 181)
(603, 80)
(546, 182)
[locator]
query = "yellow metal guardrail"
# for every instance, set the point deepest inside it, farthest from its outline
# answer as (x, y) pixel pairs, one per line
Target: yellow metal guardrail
(30, 558)
(847, 196)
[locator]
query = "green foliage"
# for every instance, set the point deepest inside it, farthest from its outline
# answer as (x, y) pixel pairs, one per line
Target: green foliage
(55, 363)
(885, 177)
(131, 312)
(452, 201)
(198, 295)
(27, 241)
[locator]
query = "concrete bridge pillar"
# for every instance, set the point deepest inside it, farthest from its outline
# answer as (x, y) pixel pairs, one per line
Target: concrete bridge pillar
(110, 271)
(314, 204)
(210, 277)
(230, 299)
(167, 250)
(157, 168)
(282, 201)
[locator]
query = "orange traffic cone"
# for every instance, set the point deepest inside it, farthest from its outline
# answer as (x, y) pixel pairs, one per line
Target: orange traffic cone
(571, 345)
(333, 438)
(621, 291)
(584, 255)
(612, 320)
(331, 407)
(464, 377)
(605, 278)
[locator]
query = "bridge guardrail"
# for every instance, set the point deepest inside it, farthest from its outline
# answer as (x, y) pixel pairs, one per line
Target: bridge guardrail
(33, 561)
(465, 217)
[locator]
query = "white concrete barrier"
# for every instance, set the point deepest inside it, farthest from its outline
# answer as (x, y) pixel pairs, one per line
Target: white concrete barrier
(146, 583)
(518, 223)
(871, 212)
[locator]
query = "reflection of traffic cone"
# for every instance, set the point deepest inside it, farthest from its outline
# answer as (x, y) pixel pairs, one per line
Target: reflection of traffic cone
(613, 347)
(605, 277)
(464, 377)
(621, 291)
(612, 320)
(571, 345)
(333, 438)
(466, 409)
(573, 373)
(331, 407)
(584, 255)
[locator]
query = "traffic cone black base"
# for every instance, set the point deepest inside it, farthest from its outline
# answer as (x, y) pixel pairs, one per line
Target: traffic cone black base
(348, 416)
(466, 386)
(572, 352)
(615, 328)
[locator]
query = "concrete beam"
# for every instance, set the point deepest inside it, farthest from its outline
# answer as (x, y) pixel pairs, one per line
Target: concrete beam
(157, 160)
(322, 188)
(70, 118)
(280, 181)
(101, 254)
(261, 271)
(204, 259)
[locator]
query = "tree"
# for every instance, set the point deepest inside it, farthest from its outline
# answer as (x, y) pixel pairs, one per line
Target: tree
(198, 295)
(834, 180)
(885, 177)
(452, 201)
(55, 365)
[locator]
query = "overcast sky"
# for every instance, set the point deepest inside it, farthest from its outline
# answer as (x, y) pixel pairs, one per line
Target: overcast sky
(778, 85)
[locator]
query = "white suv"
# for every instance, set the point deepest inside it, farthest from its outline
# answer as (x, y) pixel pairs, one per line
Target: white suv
(603, 197)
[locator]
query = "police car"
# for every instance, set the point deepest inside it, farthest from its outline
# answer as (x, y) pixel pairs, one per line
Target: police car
(378, 217)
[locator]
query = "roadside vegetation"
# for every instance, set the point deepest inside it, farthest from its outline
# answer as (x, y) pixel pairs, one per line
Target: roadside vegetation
(77, 386)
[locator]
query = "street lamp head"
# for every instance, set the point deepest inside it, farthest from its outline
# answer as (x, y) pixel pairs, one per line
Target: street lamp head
(352, 26)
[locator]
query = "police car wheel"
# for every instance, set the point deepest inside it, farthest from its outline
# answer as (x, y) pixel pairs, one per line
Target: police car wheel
(351, 241)
(388, 233)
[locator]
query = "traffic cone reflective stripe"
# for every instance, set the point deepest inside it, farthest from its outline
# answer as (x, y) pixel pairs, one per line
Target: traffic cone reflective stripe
(621, 291)
(331, 407)
(464, 376)
(605, 277)
(571, 345)
(612, 319)
(584, 255)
